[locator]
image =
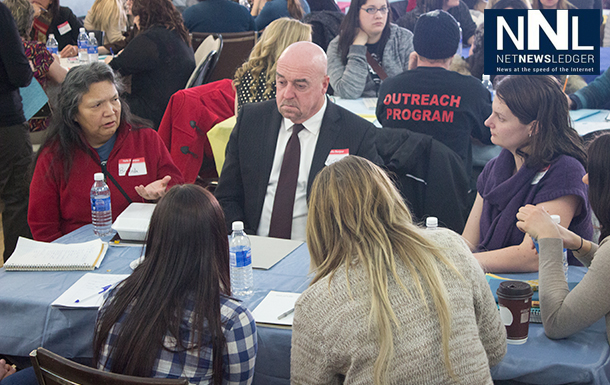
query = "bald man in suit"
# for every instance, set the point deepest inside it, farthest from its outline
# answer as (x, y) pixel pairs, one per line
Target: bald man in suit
(257, 149)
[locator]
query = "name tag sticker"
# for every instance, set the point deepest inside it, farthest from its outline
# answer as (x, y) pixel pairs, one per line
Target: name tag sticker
(138, 167)
(64, 28)
(336, 155)
(124, 166)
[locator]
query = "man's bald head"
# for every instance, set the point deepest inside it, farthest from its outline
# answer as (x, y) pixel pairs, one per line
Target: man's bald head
(307, 54)
(301, 81)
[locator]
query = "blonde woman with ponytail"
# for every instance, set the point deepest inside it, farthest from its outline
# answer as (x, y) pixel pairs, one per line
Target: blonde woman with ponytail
(390, 303)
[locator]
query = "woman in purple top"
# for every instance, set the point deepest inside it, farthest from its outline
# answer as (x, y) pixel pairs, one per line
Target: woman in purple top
(542, 163)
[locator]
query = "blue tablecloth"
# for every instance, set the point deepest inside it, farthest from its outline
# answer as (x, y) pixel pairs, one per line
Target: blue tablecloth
(27, 321)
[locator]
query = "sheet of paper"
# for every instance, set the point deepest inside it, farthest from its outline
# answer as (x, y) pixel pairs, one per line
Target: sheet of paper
(87, 290)
(275, 304)
(267, 251)
(33, 97)
(583, 128)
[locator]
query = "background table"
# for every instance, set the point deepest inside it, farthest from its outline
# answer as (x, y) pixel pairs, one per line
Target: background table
(27, 321)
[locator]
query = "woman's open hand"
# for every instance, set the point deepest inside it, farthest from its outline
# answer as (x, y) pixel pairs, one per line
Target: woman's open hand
(154, 190)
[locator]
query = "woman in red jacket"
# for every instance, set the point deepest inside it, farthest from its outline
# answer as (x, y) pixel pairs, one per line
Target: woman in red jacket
(94, 132)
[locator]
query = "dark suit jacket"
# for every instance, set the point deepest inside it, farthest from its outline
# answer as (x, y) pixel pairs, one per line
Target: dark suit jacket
(249, 156)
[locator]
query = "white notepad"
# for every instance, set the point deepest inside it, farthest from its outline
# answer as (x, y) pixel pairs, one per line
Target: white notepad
(275, 304)
(32, 255)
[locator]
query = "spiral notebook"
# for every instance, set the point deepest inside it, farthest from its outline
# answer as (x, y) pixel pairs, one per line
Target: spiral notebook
(32, 255)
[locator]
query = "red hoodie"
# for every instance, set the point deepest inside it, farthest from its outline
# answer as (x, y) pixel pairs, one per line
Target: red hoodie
(59, 205)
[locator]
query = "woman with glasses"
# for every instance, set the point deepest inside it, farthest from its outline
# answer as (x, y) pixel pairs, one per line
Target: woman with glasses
(367, 50)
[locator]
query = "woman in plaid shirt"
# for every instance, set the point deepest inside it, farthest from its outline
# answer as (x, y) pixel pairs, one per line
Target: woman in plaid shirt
(174, 316)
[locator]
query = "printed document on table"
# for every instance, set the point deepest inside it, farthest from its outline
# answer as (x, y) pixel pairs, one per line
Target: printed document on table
(85, 293)
(273, 306)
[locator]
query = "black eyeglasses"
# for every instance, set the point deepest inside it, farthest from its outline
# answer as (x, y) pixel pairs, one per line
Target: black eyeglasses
(373, 10)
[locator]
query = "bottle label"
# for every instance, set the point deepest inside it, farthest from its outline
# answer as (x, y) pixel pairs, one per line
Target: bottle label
(92, 49)
(241, 258)
(53, 50)
(100, 204)
(82, 44)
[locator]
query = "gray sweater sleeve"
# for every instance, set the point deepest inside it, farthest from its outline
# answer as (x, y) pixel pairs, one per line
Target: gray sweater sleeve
(353, 80)
(348, 80)
(566, 312)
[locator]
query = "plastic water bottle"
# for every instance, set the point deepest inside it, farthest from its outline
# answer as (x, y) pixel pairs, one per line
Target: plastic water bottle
(241, 261)
(431, 223)
(101, 209)
(52, 44)
(489, 86)
(92, 48)
(459, 50)
(83, 42)
(557, 219)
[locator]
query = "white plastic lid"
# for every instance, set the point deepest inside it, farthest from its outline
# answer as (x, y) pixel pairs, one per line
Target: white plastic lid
(81, 29)
(91, 34)
(432, 222)
(238, 225)
(556, 218)
(51, 36)
(98, 176)
(486, 77)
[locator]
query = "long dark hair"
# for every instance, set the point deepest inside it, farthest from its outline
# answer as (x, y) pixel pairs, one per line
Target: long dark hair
(540, 98)
(54, 8)
(599, 181)
(160, 12)
(187, 262)
(351, 21)
(65, 134)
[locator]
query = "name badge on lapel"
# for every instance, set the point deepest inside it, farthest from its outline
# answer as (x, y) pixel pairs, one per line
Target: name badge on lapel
(64, 28)
(138, 167)
(336, 155)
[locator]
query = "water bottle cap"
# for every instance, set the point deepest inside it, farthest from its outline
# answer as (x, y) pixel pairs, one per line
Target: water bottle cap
(98, 176)
(51, 36)
(238, 225)
(81, 29)
(556, 218)
(486, 77)
(432, 222)
(91, 34)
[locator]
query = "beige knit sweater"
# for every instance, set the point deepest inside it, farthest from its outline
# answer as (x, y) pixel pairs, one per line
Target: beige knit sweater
(331, 338)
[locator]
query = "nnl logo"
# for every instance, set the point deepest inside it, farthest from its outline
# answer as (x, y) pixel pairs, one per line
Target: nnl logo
(554, 42)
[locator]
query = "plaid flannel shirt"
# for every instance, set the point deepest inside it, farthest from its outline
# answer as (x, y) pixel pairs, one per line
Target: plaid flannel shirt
(238, 359)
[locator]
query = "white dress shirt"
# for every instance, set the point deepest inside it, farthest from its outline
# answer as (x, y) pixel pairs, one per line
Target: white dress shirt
(308, 138)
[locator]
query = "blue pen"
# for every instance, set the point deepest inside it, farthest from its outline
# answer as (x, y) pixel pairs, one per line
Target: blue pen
(111, 52)
(587, 115)
(104, 289)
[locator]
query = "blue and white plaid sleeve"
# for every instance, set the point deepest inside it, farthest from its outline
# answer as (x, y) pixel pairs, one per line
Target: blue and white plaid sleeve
(242, 344)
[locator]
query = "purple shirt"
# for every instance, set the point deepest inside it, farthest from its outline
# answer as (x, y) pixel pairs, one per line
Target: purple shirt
(504, 193)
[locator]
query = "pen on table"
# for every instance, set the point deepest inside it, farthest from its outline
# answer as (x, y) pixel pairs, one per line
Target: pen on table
(587, 115)
(104, 289)
(285, 314)
(111, 51)
(565, 84)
